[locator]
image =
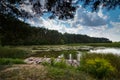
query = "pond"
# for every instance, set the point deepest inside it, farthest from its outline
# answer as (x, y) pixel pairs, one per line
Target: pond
(106, 50)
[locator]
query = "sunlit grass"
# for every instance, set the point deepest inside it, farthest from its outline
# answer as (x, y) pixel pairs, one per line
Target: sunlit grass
(10, 61)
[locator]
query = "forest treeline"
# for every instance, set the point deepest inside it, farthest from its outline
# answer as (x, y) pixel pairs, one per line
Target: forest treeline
(16, 32)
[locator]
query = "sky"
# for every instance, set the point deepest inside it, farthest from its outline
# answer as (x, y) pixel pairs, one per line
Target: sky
(103, 23)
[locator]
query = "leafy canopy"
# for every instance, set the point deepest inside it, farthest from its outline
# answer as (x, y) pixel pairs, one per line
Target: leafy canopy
(62, 9)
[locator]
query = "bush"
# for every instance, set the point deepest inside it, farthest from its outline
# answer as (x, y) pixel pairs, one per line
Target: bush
(6, 52)
(98, 67)
(57, 64)
(8, 61)
(67, 52)
(55, 73)
(113, 59)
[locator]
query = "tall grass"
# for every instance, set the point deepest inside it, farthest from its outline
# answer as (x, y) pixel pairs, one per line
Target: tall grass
(62, 71)
(96, 66)
(55, 73)
(9, 61)
(114, 44)
(7, 52)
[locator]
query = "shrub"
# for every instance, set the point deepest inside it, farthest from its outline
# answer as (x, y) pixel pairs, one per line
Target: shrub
(113, 59)
(61, 64)
(52, 61)
(98, 67)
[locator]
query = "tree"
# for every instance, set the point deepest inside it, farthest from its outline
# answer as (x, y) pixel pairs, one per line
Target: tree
(63, 9)
(16, 32)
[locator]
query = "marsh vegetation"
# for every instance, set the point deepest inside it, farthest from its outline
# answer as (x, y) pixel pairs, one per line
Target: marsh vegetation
(92, 66)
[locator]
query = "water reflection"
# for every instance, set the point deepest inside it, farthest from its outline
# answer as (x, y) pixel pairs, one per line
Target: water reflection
(107, 50)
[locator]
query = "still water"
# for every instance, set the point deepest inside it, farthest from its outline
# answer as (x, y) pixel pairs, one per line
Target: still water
(107, 50)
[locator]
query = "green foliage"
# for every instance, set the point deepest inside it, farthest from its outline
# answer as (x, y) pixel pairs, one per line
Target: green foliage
(65, 9)
(55, 54)
(57, 64)
(99, 68)
(15, 32)
(113, 60)
(61, 64)
(8, 61)
(67, 52)
(45, 63)
(78, 38)
(6, 52)
(52, 62)
(0, 39)
(48, 54)
(114, 44)
(38, 72)
(55, 73)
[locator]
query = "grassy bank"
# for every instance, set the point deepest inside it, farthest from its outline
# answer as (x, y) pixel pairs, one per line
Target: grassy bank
(10, 61)
(10, 56)
(62, 71)
(39, 72)
(7, 52)
(92, 67)
(114, 44)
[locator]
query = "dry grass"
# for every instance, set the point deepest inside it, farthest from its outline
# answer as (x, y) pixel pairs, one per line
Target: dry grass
(24, 72)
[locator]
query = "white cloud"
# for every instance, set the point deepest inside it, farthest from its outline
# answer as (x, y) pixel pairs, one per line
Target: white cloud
(86, 18)
(100, 28)
(100, 13)
(81, 24)
(112, 33)
(27, 8)
(60, 26)
(116, 27)
(92, 24)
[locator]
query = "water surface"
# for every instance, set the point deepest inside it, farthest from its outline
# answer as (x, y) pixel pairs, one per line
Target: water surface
(107, 50)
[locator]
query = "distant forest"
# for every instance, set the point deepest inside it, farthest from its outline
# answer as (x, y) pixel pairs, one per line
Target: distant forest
(16, 32)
